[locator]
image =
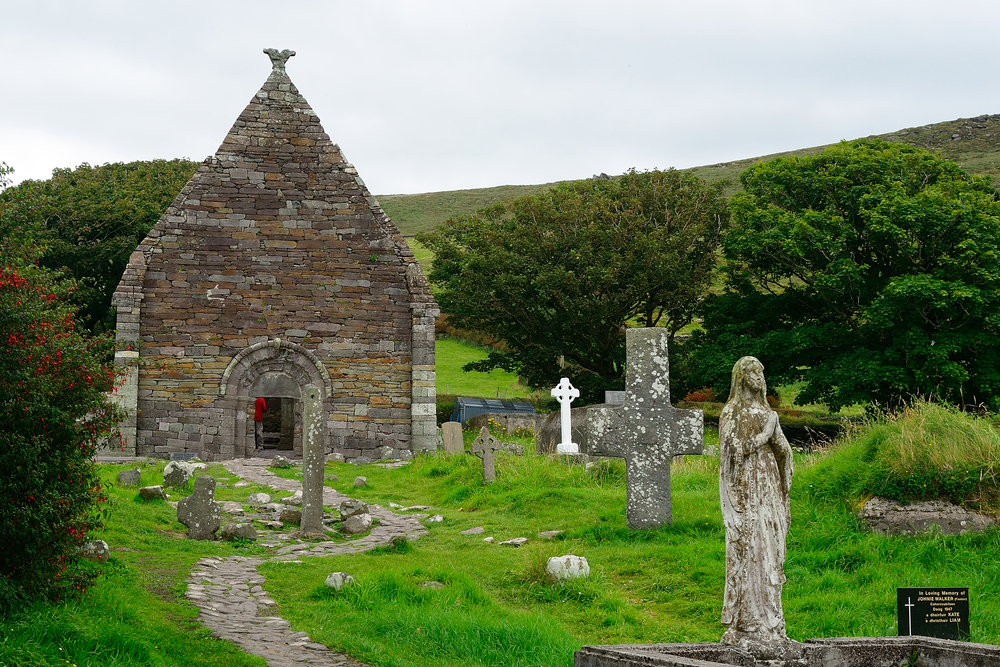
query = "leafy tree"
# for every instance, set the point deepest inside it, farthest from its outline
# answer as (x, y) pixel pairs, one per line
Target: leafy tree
(92, 218)
(870, 271)
(53, 410)
(556, 277)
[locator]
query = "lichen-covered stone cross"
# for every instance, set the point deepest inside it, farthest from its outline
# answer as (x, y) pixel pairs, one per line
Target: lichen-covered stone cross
(485, 446)
(646, 430)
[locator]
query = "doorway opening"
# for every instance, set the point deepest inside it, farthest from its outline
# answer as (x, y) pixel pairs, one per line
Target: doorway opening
(279, 423)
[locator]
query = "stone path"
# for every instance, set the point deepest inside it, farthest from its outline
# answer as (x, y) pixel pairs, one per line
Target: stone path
(234, 604)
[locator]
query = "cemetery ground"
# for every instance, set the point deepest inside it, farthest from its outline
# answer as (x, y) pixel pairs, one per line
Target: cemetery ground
(497, 606)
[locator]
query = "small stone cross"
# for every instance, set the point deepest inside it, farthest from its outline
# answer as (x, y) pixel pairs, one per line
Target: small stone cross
(646, 430)
(564, 392)
(485, 446)
(279, 58)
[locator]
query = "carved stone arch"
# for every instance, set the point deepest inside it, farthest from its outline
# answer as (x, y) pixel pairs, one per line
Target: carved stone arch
(258, 351)
(273, 368)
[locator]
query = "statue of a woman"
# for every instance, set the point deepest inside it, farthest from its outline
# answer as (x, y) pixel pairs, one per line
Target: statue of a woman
(755, 475)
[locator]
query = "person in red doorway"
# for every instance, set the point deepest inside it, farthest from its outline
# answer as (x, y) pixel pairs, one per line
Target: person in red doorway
(259, 408)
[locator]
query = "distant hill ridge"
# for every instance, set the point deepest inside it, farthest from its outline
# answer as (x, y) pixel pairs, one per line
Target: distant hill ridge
(974, 143)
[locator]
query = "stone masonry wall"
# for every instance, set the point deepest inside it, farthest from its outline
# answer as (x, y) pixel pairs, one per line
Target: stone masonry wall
(276, 260)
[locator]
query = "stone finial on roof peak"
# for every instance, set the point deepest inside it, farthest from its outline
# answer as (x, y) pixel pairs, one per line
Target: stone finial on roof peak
(278, 58)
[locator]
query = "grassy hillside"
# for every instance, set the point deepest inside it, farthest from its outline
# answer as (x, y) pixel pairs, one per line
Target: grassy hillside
(422, 212)
(973, 143)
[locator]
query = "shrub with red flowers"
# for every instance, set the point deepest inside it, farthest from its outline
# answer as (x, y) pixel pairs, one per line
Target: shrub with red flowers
(54, 411)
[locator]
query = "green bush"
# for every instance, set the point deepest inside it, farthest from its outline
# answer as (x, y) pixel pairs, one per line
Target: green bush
(922, 452)
(54, 411)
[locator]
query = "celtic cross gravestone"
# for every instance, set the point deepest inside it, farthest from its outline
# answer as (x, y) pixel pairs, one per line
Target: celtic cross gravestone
(646, 431)
(485, 446)
(564, 392)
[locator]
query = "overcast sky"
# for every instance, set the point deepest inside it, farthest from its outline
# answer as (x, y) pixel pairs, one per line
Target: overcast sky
(427, 96)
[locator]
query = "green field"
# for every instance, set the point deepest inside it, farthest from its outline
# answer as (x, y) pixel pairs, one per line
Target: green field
(497, 606)
(452, 353)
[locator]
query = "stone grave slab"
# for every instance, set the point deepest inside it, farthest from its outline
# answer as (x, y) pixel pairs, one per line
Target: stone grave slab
(451, 438)
(199, 511)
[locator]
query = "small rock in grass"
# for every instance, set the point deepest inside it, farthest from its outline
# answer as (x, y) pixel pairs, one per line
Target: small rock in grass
(273, 525)
(515, 542)
(290, 516)
(353, 506)
(331, 478)
(295, 499)
(240, 485)
(280, 461)
(339, 580)
(433, 585)
(513, 448)
(473, 531)
(151, 492)
(549, 534)
(567, 567)
(96, 550)
(488, 540)
(129, 477)
(232, 507)
(258, 499)
(360, 482)
(437, 518)
(232, 531)
(356, 524)
(395, 506)
(335, 456)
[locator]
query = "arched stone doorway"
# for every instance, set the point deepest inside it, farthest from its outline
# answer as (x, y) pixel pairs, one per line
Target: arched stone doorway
(276, 369)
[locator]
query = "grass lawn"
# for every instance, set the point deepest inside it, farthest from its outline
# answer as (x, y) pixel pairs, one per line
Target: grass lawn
(452, 354)
(497, 607)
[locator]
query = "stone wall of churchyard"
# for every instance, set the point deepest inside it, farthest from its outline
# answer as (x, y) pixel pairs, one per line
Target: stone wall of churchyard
(275, 268)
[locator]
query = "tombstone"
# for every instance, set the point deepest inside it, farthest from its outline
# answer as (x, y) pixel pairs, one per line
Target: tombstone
(485, 447)
(614, 397)
(564, 392)
(313, 459)
(451, 437)
(933, 612)
(646, 430)
(199, 511)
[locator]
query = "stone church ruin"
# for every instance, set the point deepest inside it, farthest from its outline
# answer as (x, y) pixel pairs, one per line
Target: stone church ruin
(274, 269)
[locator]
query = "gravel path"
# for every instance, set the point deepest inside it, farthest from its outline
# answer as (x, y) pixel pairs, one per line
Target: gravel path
(235, 606)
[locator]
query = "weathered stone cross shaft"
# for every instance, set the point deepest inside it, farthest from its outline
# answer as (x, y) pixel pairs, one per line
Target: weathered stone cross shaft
(646, 430)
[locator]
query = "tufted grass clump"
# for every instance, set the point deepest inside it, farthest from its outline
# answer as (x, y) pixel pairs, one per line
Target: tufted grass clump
(923, 452)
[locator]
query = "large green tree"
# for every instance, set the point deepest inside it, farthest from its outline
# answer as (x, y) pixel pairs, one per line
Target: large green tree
(92, 218)
(54, 410)
(556, 277)
(871, 271)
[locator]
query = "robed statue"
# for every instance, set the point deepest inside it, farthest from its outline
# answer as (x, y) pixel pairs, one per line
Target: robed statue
(755, 475)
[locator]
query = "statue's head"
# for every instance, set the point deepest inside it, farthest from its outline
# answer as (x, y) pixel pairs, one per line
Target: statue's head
(748, 381)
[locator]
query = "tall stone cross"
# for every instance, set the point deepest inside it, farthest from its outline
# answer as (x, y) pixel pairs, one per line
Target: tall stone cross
(646, 430)
(485, 446)
(564, 392)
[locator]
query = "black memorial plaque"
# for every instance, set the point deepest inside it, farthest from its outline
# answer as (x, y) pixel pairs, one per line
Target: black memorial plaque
(933, 612)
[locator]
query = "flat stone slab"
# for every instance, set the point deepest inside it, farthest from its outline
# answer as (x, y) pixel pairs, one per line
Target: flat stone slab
(838, 652)
(896, 518)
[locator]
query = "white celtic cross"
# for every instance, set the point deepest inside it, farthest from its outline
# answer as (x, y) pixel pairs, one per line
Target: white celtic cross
(564, 392)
